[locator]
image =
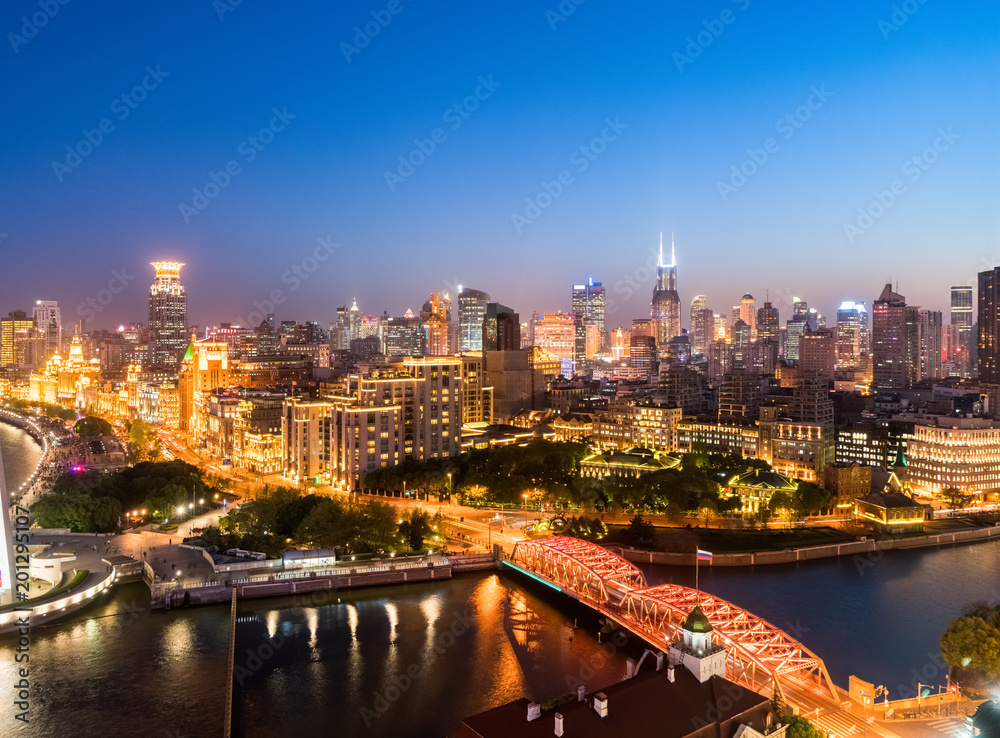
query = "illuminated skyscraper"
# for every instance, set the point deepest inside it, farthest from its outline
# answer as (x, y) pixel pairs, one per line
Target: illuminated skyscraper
(768, 326)
(848, 336)
(748, 314)
(666, 305)
(48, 320)
(471, 310)
(929, 338)
(167, 314)
(702, 326)
(890, 370)
(589, 303)
(989, 328)
(961, 314)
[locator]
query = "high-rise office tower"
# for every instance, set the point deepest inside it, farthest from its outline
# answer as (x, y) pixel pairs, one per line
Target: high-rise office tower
(768, 324)
(168, 335)
(748, 314)
(590, 301)
(48, 320)
(912, 315)
(354, 321)
(666, 306)
(436, 314)
(501, 329)
(793, 332)
(848, 336)
(471, 310)
(864, 331)
(961, 314)
(929, 338)
(988, 319)
(14, 329)
(890, 365)
(700, 334)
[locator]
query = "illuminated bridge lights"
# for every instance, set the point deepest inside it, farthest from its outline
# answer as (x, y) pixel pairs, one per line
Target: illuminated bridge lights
(758, 654)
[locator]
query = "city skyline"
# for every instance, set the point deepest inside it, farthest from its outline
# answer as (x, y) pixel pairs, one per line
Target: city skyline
(97, 312)
(759, 166)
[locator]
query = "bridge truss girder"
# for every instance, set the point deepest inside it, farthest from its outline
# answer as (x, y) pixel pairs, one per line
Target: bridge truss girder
(578, 565)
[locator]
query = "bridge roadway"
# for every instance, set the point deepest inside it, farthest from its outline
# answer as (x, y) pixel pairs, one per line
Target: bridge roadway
(759, 655)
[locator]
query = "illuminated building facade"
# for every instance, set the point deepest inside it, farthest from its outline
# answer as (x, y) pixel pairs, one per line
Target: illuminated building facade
(477, 397)
(954, 452)
(471, 311)
(748, 314)
(305, 439)
(167, 314)
(48, 321)
(848, 336)
(413, 410)
(890, 352)
(205, 368)
(13, 329)
(589, 302)
(556, 333)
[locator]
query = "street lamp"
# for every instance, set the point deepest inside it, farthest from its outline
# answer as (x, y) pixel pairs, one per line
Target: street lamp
(449, 488)
(525, 496)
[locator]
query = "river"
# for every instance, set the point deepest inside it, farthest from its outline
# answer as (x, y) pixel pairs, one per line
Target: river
(413, 660)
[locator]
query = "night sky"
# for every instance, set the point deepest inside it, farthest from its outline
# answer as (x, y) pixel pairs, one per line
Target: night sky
(296, 122)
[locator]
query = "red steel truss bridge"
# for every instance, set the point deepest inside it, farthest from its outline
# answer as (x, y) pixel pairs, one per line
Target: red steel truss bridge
(759, 655)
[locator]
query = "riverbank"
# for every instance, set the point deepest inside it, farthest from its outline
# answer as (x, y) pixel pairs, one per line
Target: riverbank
(43, 438)
(870, 550)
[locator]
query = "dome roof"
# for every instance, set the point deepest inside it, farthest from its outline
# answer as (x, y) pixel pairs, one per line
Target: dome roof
(748, 296)
(696, 622)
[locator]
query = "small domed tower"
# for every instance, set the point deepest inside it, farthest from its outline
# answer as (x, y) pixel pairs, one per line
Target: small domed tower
(697, 650)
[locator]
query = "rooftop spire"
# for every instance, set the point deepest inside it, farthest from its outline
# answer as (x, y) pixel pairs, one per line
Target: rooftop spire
(660, 262)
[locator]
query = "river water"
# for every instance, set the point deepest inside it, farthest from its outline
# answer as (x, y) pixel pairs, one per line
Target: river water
(413, 660)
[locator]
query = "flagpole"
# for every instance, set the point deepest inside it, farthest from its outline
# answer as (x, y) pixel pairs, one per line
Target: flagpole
(696, 557)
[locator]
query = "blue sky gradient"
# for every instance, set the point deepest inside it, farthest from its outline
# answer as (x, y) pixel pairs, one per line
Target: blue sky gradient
(450, 221)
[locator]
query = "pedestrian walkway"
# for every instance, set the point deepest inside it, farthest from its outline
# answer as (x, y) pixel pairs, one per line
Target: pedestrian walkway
(839, 724)
(949, 726)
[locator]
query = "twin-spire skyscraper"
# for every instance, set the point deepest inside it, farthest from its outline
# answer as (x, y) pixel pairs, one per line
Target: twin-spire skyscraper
(666, 306)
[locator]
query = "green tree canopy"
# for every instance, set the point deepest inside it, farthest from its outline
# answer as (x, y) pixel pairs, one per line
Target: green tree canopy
(92, 426)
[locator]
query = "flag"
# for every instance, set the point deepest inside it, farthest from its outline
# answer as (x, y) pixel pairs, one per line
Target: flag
(704, 555)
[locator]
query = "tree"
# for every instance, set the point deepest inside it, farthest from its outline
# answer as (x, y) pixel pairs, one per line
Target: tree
(955, 498)
(640, 532)
(780, 504)
(810, 499)
(415, 528)
(143, 443)
(476, 494)
(708, 510)
(92, 426)
(973, 642)
(799, 727)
